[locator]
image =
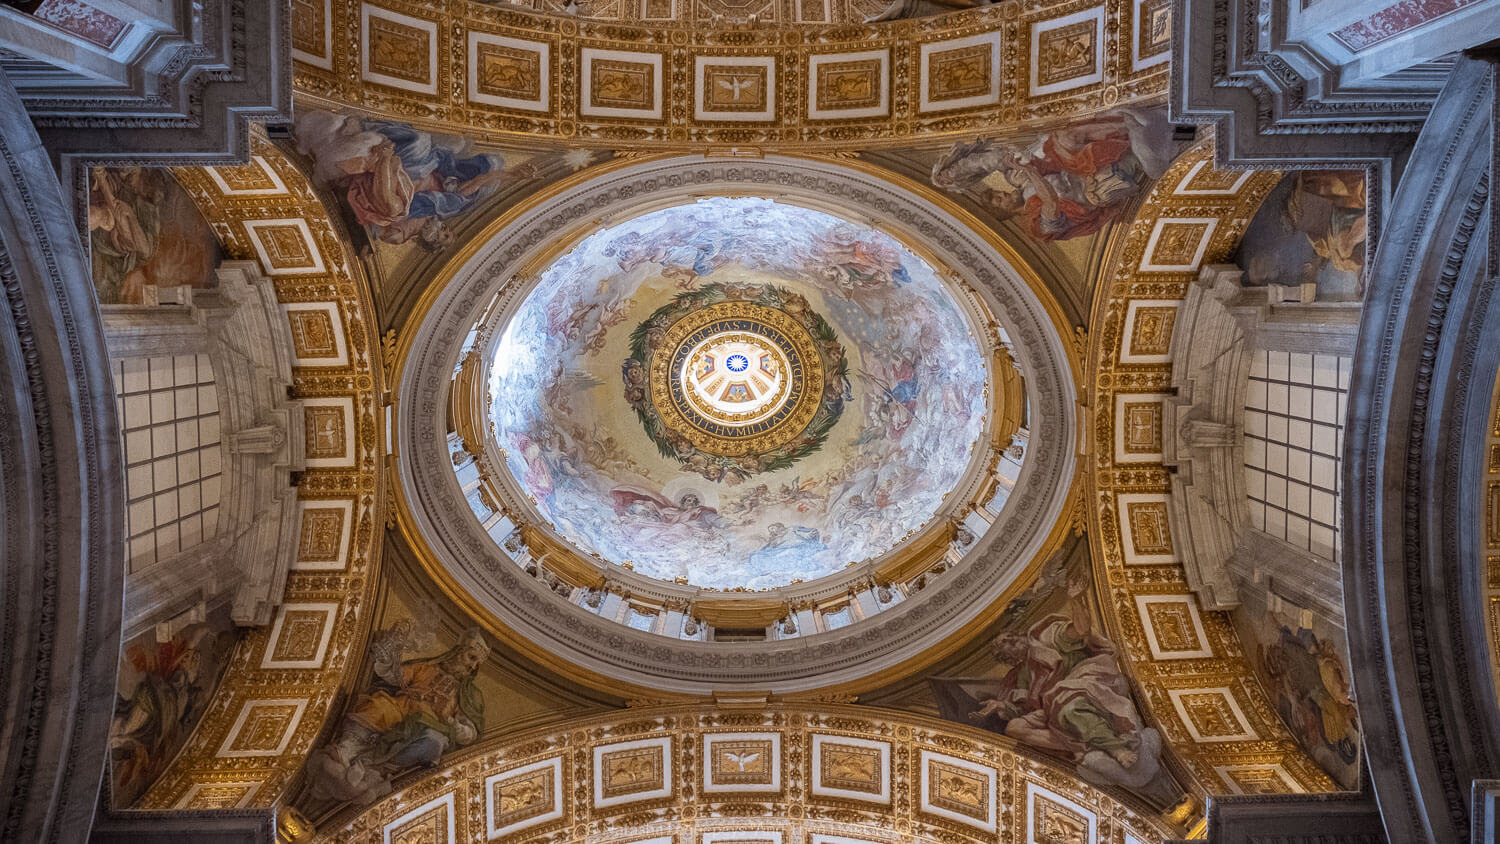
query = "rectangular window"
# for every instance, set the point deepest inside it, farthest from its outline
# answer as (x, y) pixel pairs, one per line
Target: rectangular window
(169, 416)
(1294, 432)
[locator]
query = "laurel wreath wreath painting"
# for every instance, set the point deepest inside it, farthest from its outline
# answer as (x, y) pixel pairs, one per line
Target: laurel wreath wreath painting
(804, 371)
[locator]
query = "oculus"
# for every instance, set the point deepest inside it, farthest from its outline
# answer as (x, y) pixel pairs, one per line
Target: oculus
(692, 384)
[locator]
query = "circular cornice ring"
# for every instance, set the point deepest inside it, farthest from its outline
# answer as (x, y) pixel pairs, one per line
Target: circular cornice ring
(498, 271)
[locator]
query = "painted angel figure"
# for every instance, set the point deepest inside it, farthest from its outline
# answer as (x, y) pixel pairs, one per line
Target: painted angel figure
(680, 256)
(786, 549)
(903, 9)
(689, 509)
(413, 712)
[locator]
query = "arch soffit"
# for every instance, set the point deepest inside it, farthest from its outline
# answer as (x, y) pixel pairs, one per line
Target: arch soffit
(1194, 679)
(280, 683)
(879, 775)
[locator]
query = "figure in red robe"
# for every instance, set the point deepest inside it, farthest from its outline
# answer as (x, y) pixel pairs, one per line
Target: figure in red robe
(1069, 182)
(689, 509)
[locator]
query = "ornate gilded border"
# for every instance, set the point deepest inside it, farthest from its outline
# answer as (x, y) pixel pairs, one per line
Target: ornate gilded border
(222, 757)
(1194, 679)
(830, 769)
(1489, 504)
(438, 88)
(661, 360)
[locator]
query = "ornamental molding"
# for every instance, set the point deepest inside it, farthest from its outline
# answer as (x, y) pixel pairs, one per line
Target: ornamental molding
(1416, 571)
(495, 71)
(1195, 684)
(284, 687)
(62, 564)
(828, 772)
(182, 99)
(524, 610)
(1228, 71)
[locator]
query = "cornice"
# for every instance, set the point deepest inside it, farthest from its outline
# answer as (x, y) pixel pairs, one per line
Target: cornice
(1260, 105)
(192, 101)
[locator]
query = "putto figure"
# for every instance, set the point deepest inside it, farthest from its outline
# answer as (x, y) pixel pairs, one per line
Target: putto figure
(412, 713)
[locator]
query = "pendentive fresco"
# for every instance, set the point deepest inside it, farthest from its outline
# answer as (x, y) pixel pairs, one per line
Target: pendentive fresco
(144, 230)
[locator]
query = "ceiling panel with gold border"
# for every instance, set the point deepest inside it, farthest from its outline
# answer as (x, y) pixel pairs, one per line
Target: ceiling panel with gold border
(788, 774)
(1490, 506)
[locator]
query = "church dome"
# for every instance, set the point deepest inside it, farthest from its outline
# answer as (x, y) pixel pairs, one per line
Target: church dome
(775, 424)
(738, 392)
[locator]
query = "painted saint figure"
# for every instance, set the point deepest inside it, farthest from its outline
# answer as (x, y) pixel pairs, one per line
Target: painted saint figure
(164, 688)
(401, 182)
(1329, 207)
(1070, 182)
(413, 712)
(1062, 690)
(145, 230)
(1312, 692)
(1311, 228)
(903, 9)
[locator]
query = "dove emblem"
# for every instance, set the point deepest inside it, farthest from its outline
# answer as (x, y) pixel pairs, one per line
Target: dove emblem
(736, 85)
(741, 759)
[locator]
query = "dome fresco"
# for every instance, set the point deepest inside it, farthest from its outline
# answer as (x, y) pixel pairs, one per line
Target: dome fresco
(738, 393)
